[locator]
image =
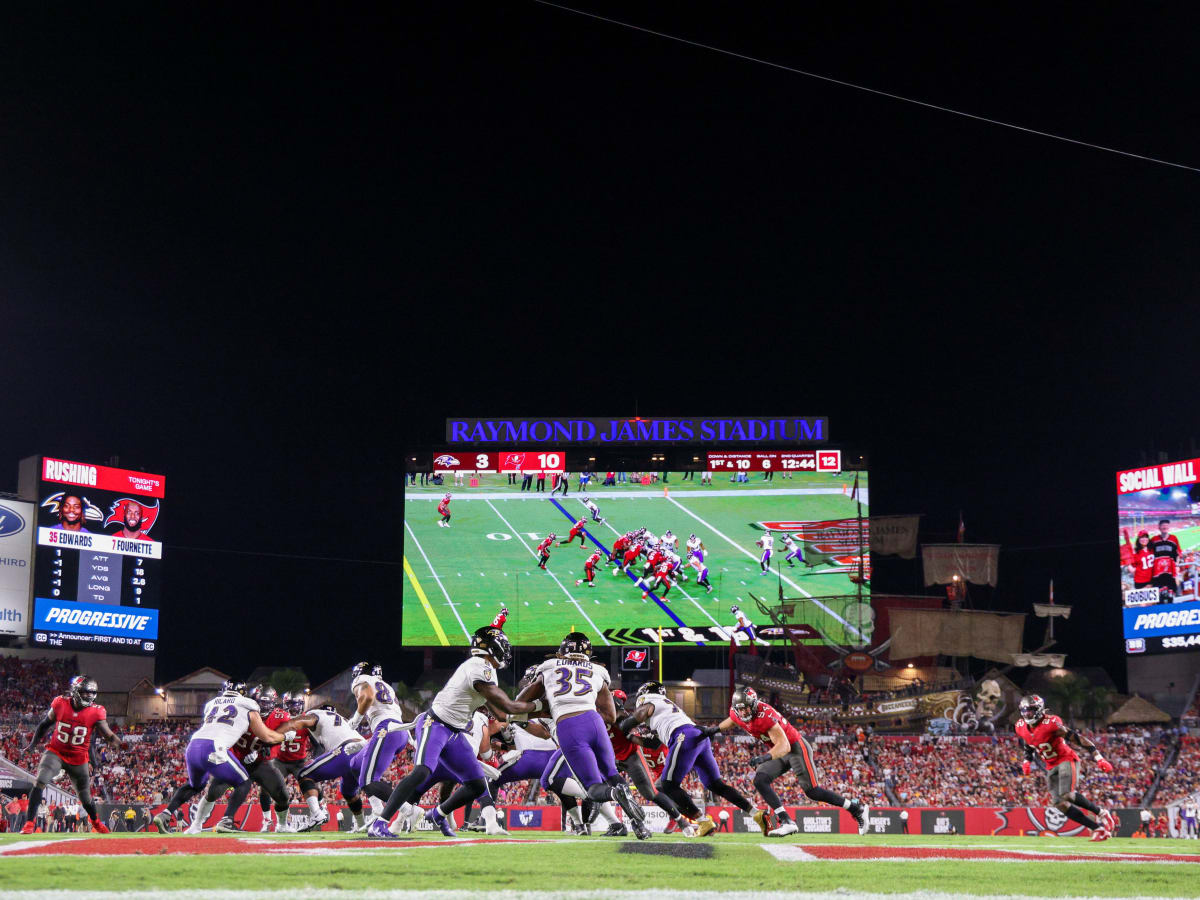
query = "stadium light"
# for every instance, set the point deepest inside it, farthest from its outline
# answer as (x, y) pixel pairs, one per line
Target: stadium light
(159, 691)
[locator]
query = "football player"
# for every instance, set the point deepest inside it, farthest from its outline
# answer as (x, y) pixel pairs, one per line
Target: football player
(766, 542)
(794, 551)
(438, 736)
(1046, 738)
(745, 627)
(631, 762)
(689, 749)
(577, 531)
(389, 735)
(543, 550)
(339, 744)
(501, 617)
(444, 511)
(71, 720)
(632, 552)
(787, 749)
(661, 582)
(620, 545)
(669, 541)
(594, 510)
(589, 569)
(577, 690)
(695, 559)
(290, 756)
(226, 718)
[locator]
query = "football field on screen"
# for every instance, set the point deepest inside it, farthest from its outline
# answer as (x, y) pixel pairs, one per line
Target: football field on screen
(456, 578)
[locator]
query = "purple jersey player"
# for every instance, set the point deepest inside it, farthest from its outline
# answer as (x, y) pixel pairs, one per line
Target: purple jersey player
(581, 704)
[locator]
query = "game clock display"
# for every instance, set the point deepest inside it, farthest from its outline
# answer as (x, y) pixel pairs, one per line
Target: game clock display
(99, 556)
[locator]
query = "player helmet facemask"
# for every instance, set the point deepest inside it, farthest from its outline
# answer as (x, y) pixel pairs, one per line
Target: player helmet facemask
(620, 698)
(575, 645)
(650, 687)
(266, 697)
(491, 641)
(527, 678)
(1033, 709)
(83, 690)
(745, 703)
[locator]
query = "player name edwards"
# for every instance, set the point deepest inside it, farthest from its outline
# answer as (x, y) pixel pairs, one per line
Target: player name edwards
(619, 431)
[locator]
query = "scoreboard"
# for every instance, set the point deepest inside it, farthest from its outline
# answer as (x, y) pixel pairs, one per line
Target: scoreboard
(775, 460)
(99, 555)
(548, 461)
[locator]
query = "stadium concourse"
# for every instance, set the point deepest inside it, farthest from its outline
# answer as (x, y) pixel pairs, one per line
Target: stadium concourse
(1153, 766)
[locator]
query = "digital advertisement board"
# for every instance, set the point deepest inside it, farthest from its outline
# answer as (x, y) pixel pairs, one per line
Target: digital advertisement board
(99, 557)
(752, 531)
(16, 565)
(1158, 512)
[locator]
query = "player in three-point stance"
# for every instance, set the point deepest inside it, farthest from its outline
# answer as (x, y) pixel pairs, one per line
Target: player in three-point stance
(766, 542)
(226, 718)
(581, 703)
(444, 511)
(589, 569)
(543, 550)
(594, 510)
(72, 716)
(632, 552)
(438, 737)
(688, 749)
(787, 749)
(577, 531)
(1046, 738)
(619, 546)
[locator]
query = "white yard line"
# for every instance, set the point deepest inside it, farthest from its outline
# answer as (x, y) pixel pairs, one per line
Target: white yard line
(578, 605)
(793, 584)
(677, 587)
(438, 579)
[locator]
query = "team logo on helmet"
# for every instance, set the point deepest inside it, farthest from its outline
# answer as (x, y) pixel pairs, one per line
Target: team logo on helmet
(116, 513)
(83, 690)
(445, 460)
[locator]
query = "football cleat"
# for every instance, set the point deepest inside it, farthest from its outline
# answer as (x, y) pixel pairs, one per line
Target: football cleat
(784, 829)
(760, 819)
(29, 827)
(99, 827)
(1109, 821)
(581, 829)
(640, 831)
(266, 824)
(688, 830)
(315, 824)
(443, 823)
(1100, 834)
(864, 824)
(631, 807)
(226, 826)
(705, 826)
(379, 829)
(616, 829)
(162, 823)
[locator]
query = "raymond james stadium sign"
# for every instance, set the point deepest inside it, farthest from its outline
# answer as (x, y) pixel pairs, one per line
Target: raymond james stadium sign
(692, 430)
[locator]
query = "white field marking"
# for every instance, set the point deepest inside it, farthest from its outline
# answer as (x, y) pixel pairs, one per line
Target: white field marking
(788, 852)
(445, 593)
(655, 494)
(543, 894)
(533, 553)
(793, 584)
(677, 584)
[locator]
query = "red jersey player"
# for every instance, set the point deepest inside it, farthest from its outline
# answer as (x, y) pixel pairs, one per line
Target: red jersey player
(661, 579)
(620, 545)
(288, 756)
(577, 532)
(589, 569)
(72, 717)
(1046, 738)
(543, 550)
(632, 552)
(444, 511)
(786, 749)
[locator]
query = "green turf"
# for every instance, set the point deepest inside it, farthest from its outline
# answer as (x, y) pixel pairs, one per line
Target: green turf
(597, 864)
(463, 566)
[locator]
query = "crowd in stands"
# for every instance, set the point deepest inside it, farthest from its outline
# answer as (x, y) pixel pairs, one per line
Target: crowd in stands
(934, 771)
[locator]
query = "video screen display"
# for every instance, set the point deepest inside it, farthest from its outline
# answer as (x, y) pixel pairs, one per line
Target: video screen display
(620, 555)
(1158, 510)
(99, 556)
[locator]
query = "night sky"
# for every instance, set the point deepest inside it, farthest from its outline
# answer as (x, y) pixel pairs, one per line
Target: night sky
(263, 252)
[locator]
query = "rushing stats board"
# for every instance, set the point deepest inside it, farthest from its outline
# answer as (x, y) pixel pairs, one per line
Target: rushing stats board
(99, 556)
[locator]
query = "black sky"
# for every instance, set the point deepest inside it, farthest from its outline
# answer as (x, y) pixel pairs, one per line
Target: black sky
(263, 251)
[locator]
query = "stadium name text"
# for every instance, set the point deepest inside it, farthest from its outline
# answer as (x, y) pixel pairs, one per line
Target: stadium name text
(811, 429)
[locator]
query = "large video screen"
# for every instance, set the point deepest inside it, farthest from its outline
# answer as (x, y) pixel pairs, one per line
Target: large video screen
(504, 507)
(99, 556)
(1158, 510)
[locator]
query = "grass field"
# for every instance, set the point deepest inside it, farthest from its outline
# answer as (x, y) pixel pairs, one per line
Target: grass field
(542, 866)
(456, 578)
